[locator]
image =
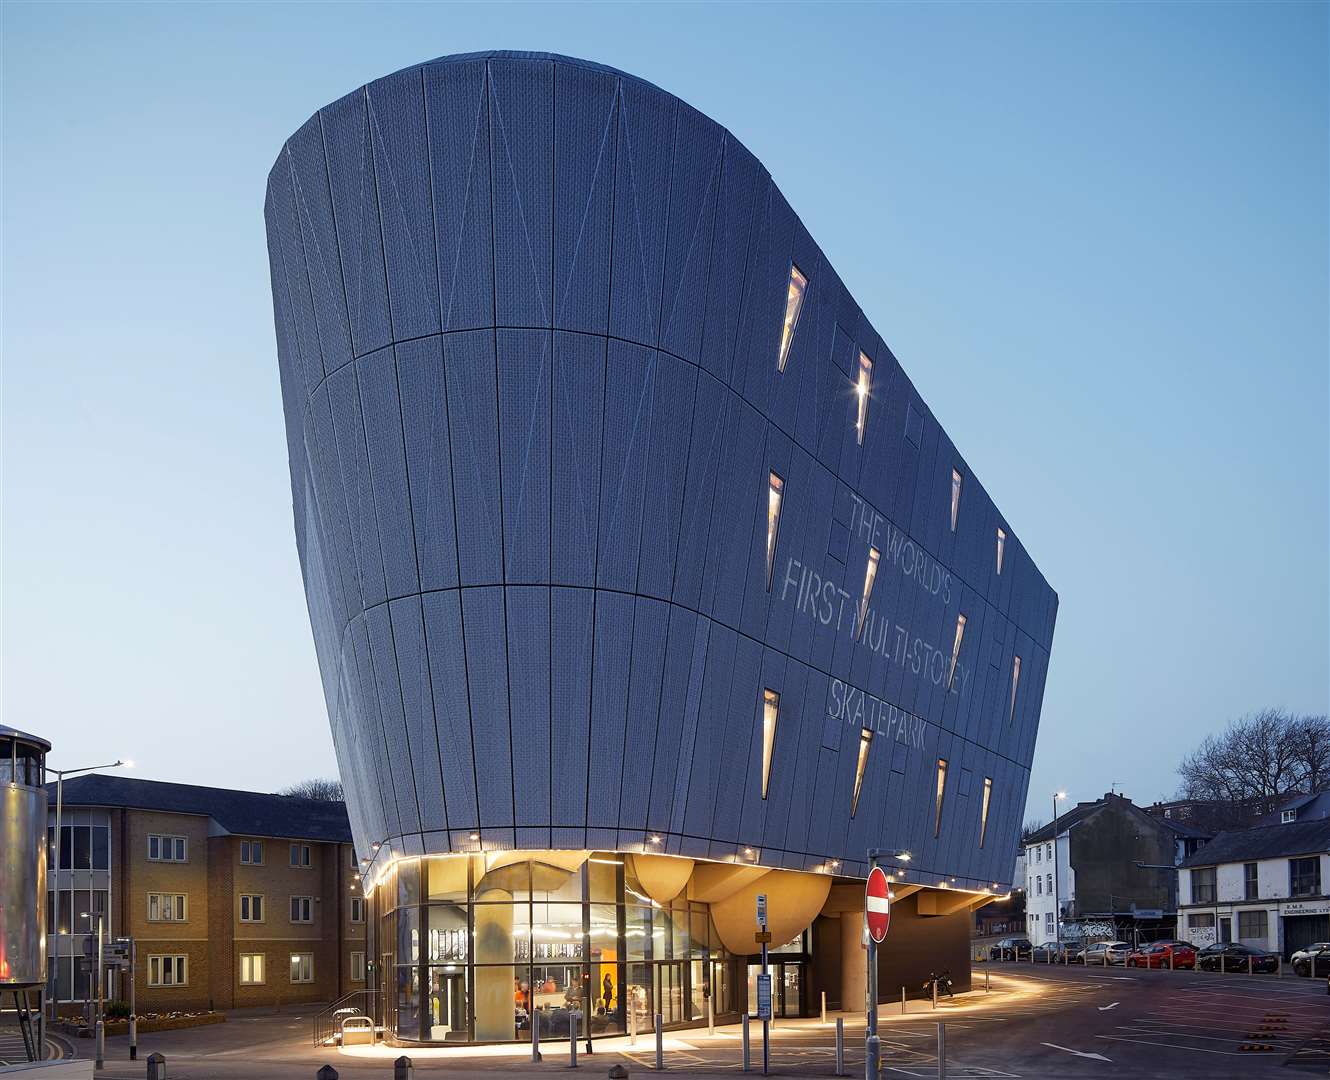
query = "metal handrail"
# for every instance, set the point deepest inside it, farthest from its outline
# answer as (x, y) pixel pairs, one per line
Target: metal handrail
(328, 1024)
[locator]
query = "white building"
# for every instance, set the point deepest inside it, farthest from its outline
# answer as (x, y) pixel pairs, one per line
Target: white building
(1266, 887)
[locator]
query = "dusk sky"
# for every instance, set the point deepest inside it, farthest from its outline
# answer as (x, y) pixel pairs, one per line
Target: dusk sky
(1095, 236)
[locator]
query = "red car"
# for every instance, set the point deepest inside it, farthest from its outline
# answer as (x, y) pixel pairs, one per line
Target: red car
(1157, 954)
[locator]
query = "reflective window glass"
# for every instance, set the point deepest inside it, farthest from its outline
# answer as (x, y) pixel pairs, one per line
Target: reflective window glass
(794, 302)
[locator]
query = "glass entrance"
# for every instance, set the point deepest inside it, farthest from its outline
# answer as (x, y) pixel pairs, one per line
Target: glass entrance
(787, 979)
(447, 1004)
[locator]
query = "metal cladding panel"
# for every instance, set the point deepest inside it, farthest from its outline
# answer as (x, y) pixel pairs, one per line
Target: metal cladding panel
(473, 416)
(420, 378)
(396, 113)
(458, 128)
(355, 208)
(487, 683)
(387, 468)
(521, 103)
(532, 515)
(524, 436)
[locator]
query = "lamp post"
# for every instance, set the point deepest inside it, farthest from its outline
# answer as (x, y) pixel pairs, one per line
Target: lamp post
(1057, 911)
(100, 1029)
(60, 775)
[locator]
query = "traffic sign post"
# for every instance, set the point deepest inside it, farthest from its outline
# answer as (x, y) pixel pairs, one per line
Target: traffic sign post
(764, 984)
(877, 917)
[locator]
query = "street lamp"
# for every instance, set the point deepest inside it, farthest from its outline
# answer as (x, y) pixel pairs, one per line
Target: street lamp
(1057, 912)
(60, 775)
(101, 989)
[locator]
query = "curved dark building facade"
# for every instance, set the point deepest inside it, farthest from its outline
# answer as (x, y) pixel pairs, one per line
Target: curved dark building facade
(629, 548)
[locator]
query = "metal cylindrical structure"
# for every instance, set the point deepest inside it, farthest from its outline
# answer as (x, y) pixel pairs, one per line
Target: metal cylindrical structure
(22, 860)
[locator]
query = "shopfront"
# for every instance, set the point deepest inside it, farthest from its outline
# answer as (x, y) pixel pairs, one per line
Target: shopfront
(790, 971)
(478, 948)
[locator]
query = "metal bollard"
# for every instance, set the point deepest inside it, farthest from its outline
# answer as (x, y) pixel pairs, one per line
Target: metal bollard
(157, 1069)
(632, 1025)
(1170, 958)
(748, 1066)
(935, 992)
(711, 1015)
(101, 1045)
(840, 1046)
(573, 1017)
(824, 1006)
(403, 1069)
(133, 1038)
(902, 1001)
(873, 1058)
(660, 1044)
(942, 1052)
(535, 1035)
(325, 1073)
(985, 980)
(1249, 960)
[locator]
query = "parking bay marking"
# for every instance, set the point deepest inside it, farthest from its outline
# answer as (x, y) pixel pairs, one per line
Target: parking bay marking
(1078, 1053)
(1105, 1008)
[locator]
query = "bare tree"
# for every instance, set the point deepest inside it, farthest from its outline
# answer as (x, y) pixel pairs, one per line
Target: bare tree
(1032, 826)
(1259, 760)
(323, 789)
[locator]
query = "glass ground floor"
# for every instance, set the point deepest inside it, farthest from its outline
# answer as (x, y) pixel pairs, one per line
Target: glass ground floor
(481, 948)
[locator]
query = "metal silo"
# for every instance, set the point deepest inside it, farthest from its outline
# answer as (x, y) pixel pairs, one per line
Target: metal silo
(22, 872)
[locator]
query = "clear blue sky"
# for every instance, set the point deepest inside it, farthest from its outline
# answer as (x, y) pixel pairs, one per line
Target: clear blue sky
(1096, 237)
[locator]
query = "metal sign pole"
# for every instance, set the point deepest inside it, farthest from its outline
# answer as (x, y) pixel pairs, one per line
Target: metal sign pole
(101, 991)
(764, 981)
(872, 1044)
(133, 1012)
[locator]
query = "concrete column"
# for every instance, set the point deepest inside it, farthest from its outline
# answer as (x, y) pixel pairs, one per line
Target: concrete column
(493, 993)
(853, 962)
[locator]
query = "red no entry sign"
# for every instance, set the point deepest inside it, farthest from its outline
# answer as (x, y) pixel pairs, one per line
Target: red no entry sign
(877, 905)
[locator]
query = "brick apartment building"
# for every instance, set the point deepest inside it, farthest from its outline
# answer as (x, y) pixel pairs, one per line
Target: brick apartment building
(235, 899)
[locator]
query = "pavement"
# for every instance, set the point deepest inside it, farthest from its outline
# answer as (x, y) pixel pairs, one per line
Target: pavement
(1047, 1022)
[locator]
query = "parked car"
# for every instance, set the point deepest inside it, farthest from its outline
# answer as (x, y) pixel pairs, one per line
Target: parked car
(1314, 960)
(1162, 954)
(1112, 952)
(1052, 953)
(1234, 956)
(1010, 948)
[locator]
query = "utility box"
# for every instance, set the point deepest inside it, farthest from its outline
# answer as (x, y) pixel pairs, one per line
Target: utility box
(156, 1067)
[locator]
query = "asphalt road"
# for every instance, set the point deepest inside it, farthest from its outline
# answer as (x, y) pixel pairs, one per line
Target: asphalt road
(1042, 1022)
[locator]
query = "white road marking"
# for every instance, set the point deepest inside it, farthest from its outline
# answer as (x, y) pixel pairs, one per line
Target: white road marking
(1078, 1053)
(1170, 1046)
(1105, 1008)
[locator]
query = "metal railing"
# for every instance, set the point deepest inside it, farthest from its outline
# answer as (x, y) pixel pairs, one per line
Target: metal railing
(328, 1020)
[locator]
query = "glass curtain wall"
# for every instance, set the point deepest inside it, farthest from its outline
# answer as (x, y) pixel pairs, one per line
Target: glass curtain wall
(478, 948)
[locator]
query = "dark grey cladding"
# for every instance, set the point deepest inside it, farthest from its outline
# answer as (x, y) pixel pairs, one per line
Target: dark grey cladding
(528, 312)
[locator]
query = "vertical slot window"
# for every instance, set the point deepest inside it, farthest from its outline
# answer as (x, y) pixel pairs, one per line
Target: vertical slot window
(770, 710)
(870, 575)
(862, 389)
(1001, 548)
(865, 741)
(941, 790)
(1015, 682)
(794, 302)
(956, 650)
(983, 809)
(955, 498)
(775, 496)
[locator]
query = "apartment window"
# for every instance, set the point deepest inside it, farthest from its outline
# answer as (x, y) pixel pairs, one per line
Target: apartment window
(956, 650)
(357, 967)
(1048, 850)
(1288, 816)
(1250, 888)
(862, 389)
(794, 302)
(351, 852)
(1039, 885)
(955, 498)
(1001, 548)
(1050, 884)
(775, 494)
(1048, 922)
(1038, 854)
(941, 790)
(865, 741)
(168, 970)
(1202, 921)
(357, 909)
(770, 711)
(1203, 885)
(983, 809)
(1304, 876)
(251, 852)
(300, 855)
(166, 848)
(166, 907)
(1015, 682)
(251, 908)
(1252, 925)
(302, 967)
(870, 575)
(251, 969)
(302, 909)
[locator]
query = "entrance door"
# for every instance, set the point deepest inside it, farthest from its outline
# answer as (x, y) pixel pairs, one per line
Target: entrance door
(447, 1005)
(786, 988)
(1225, 929)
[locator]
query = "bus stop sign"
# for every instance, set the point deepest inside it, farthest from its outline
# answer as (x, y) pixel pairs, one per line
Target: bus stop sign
(877, 905)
